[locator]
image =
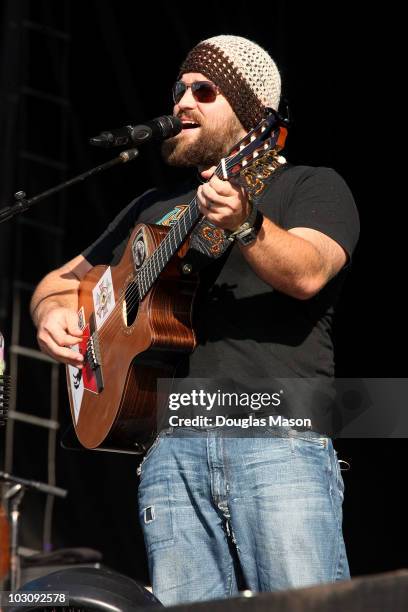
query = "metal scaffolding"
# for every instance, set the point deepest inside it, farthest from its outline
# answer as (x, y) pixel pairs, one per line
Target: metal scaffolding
(35, 116)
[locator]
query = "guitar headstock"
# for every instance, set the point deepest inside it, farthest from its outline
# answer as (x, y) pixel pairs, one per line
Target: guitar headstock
(267, 137)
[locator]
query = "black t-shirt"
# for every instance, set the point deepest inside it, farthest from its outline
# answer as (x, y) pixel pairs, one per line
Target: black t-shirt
(245, 328)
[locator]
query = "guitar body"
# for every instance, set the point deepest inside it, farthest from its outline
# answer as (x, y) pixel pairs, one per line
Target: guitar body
(113, 399)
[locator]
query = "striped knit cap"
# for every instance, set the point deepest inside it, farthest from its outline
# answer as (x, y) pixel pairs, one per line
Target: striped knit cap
(245, 73)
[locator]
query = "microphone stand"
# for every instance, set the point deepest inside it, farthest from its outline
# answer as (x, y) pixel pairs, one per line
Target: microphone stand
(14, 495)
(22, 203)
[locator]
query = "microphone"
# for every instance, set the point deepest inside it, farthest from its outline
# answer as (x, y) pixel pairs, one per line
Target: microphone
(157, 129)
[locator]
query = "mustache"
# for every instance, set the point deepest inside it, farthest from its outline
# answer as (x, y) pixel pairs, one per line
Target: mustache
(188, 117)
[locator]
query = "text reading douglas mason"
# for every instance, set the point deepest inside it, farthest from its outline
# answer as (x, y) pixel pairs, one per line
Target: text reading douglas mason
(243, 422)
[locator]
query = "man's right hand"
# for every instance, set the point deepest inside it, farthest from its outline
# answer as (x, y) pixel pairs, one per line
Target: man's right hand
(57, 330)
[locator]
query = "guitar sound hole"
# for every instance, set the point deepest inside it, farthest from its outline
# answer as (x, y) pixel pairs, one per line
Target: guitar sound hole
(130, 304)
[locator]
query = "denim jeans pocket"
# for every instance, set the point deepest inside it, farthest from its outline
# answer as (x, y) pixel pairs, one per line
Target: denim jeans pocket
(155, 514)
(309, 437)
(311, 447)
(319, 442)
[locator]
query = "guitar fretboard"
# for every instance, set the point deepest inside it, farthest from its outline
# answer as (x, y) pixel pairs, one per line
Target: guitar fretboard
(156, 263)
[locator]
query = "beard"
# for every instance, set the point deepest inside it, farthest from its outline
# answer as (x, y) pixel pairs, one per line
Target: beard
(213, 143)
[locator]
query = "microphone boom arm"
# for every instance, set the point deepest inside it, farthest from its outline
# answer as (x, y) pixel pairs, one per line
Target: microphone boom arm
(22, 203)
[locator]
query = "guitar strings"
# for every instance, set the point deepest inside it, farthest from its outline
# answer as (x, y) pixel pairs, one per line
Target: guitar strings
(134, 293)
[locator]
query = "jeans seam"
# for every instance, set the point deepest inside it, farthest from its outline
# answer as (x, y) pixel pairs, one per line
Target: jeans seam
(150, 451)
(339, 479)
(227, 516)
(336, 556)
(332, 492)
(229, 578)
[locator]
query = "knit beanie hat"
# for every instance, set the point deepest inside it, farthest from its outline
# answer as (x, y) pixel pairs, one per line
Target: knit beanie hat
(245, 73)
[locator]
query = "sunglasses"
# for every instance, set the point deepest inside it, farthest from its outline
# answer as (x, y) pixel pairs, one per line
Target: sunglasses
(203, 91)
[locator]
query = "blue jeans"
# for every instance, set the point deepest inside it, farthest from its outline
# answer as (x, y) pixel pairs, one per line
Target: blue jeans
(214, 507)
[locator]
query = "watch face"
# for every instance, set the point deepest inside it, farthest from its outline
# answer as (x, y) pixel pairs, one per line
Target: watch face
(248, 237)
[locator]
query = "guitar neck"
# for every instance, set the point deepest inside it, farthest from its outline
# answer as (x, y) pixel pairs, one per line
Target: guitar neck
(156, 263)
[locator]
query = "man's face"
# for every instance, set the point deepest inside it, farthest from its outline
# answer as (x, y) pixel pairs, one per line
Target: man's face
(218, 129)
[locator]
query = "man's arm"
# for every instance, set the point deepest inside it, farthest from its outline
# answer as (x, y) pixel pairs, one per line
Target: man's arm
(54, 307)
(298, 262)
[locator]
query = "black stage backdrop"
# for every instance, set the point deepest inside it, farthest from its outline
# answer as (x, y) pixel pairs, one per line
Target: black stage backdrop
(122, 60)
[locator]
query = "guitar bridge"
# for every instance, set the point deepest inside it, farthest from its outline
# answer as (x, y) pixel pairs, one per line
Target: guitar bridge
(92, 368)
(92, 352)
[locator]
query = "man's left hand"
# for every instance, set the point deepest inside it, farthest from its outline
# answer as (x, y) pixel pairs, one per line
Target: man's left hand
(223, 203)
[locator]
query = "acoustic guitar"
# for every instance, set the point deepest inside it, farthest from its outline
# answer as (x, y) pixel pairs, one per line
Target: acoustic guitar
(136, 316)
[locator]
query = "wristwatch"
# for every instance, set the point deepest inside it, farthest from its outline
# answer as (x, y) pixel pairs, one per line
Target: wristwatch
(247, 232)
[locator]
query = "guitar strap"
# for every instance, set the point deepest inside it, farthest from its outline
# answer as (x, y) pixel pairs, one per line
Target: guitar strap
(209, 242)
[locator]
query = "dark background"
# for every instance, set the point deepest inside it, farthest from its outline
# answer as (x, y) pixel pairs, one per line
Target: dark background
(116, 67)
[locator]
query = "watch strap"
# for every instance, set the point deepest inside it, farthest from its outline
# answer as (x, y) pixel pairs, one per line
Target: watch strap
(251, 226)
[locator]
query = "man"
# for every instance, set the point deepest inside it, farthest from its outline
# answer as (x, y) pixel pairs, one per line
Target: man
(221, 512)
